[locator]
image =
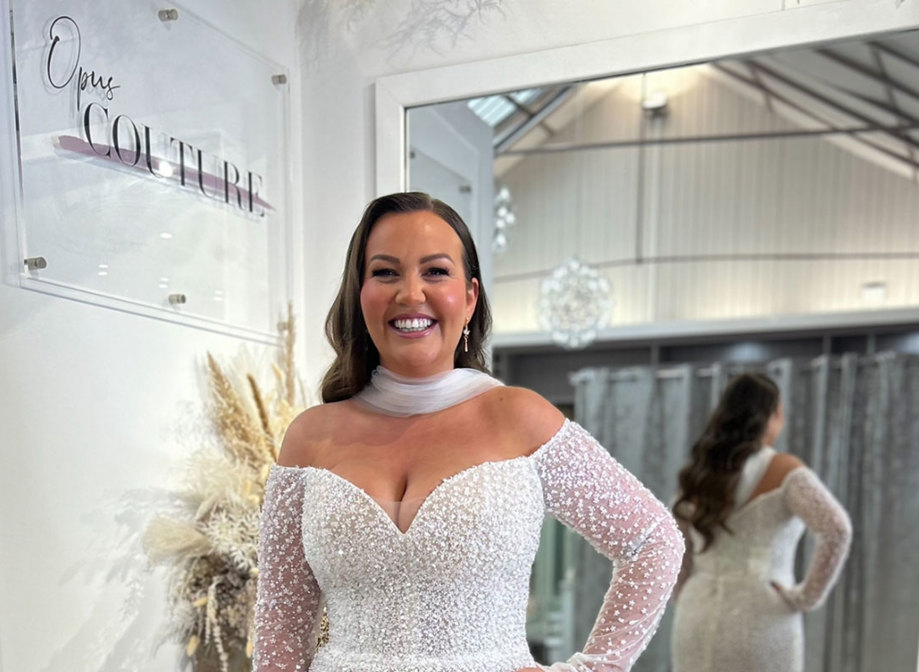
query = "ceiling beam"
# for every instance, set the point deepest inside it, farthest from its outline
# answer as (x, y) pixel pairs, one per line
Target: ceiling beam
(895, 53)
(870, 125)
(880, 77)
(836, 105)
(714, 137)
(879, 63)
(507, 140)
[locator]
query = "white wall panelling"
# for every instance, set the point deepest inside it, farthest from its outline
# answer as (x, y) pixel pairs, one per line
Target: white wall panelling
(745, 228)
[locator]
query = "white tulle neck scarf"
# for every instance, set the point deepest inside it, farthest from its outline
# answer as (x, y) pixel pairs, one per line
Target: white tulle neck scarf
(392, 394)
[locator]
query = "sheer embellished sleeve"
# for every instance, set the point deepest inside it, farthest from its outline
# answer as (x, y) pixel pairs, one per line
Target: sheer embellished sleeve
(811, 501)
(590, 492)
(287, 607)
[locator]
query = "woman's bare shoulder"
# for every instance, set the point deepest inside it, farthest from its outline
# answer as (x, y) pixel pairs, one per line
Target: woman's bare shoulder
(779, 467)
(783, 464)
(308, 432)
(525, 413)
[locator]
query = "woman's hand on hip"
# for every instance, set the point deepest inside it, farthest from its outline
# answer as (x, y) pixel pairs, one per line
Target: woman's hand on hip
(787, 594)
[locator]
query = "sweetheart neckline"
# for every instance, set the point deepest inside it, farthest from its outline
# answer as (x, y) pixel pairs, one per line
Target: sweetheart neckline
(473, 467)
(373, 503)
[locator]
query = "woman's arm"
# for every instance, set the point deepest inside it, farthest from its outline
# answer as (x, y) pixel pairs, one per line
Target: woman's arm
(590, 492)
(811, 501)
(686, 566)
(287, 608)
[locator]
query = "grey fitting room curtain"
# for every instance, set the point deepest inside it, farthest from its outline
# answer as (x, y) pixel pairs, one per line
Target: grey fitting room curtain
(853, 419)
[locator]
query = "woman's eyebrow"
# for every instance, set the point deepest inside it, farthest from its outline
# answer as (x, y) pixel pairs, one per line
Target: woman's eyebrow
(395, 260)
(440, 255)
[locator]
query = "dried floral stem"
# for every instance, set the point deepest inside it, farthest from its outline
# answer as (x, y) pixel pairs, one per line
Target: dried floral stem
(260, 405)
(209, 540)
(241, 433)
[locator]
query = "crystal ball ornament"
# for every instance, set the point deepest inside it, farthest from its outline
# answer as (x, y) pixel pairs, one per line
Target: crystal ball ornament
(574, 304)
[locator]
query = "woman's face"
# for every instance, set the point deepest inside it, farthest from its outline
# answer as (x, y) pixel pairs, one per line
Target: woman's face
(774, 427)
(415, 298)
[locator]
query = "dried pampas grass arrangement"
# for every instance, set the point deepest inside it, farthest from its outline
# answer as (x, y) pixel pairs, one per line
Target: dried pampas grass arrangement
(208, 541)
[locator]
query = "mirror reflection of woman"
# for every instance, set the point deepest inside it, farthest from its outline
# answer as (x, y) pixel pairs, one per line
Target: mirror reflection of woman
(411, 500)
(743, 508)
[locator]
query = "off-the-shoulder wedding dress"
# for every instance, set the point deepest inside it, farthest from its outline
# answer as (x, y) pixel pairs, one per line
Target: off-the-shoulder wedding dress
(449, 593)
(728, 615)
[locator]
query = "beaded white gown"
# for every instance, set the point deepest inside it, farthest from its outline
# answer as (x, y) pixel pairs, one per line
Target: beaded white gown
(449, 594)
(728, 616)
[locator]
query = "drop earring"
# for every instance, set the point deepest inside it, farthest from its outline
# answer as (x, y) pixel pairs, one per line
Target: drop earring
(466, 337)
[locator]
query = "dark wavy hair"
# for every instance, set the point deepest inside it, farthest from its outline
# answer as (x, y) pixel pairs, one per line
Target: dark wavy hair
(734, 432)
(355, 354)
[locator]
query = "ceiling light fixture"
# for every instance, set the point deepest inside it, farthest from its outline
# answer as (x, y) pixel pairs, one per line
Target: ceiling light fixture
(655, 103)
(874, 292)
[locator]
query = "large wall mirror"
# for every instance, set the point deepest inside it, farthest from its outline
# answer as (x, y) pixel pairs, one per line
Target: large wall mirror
(649, 234)
(781, 185)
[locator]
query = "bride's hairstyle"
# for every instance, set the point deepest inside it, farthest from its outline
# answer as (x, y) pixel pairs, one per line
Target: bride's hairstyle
(734, 432)
(355, 354)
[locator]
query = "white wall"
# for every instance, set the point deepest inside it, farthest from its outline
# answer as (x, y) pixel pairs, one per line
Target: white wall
(94, 406)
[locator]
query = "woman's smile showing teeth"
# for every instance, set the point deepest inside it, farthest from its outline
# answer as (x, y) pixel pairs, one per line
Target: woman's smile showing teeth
(413, 325)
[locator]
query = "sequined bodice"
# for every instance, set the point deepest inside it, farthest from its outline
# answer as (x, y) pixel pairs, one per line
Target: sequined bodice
(360, 495)
(762, 547)
(764, 532)
(450, 593)
(388, 591)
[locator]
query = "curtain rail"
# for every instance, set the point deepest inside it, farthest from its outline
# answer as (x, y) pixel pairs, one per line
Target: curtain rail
(624, 374)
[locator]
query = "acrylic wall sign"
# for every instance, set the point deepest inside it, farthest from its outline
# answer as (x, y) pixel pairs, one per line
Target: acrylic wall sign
(153, 162)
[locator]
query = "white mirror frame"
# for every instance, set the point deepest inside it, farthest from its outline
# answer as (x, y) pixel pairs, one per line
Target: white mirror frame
(792, 27)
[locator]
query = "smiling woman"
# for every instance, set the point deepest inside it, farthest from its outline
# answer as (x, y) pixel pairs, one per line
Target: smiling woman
(428, 482)
(416, 299)
(410, 258)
